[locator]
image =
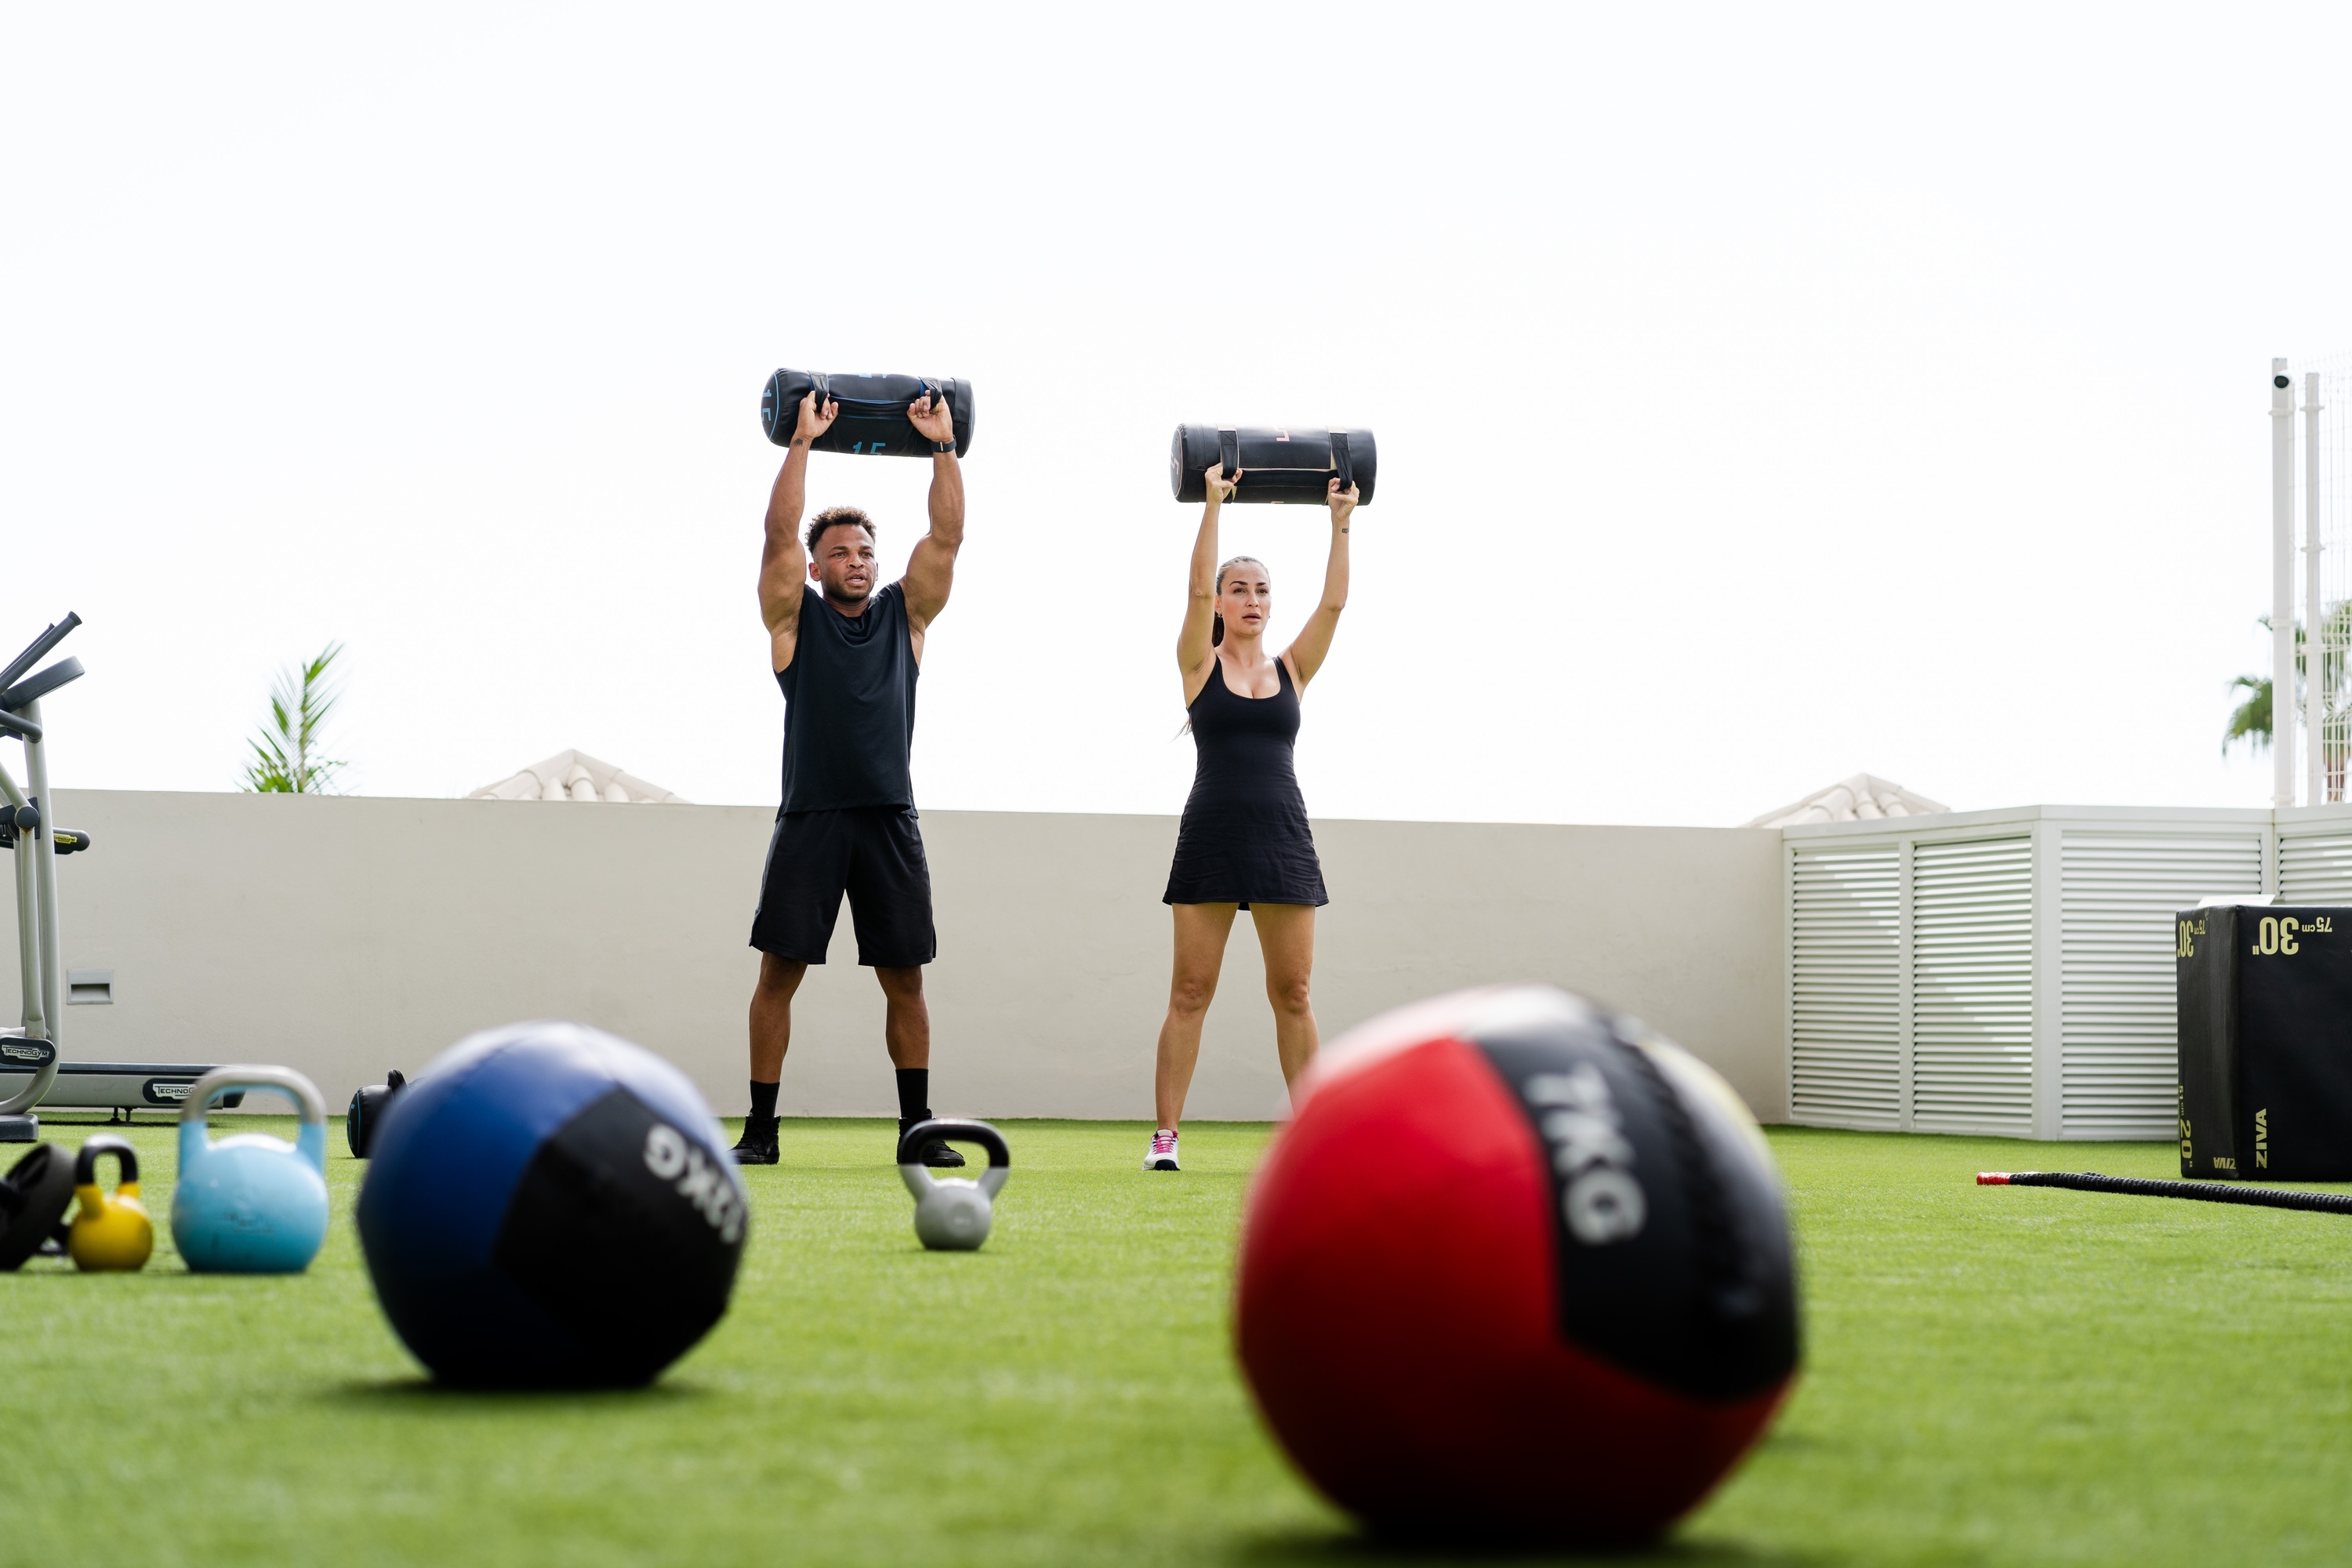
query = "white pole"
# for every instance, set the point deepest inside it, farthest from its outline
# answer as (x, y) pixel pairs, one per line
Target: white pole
(2315, 645)
(2282, 586)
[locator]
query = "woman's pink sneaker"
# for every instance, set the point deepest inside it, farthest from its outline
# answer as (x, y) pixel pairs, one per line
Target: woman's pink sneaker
(1163, 1153)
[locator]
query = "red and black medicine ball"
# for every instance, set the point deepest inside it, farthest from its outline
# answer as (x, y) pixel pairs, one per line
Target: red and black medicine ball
(1517, 1268)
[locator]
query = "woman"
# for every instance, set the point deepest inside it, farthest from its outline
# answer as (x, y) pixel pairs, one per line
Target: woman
(1245, 843)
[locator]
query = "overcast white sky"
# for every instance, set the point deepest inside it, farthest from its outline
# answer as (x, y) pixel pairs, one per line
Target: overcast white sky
(1763, 394)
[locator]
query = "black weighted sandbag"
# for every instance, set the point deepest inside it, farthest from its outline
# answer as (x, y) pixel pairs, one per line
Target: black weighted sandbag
(1276, 465)
(34, 1197)
(873, 418)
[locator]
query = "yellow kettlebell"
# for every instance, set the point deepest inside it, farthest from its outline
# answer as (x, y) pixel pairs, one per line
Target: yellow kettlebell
(109, 1232)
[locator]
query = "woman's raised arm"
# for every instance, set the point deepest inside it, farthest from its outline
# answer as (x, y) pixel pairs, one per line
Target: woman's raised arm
(1313, 644)
(1193, 649)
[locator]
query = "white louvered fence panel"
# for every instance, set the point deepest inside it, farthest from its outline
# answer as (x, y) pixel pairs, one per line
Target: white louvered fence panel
(2119, 892)
(1972, 987)
(2316, 869)
(1845, 986)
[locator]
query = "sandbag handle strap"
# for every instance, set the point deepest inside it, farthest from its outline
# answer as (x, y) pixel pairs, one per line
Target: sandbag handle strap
(1343, 460)
(223, 1081)
(937, 390)
(1229, 453)
(824, 392)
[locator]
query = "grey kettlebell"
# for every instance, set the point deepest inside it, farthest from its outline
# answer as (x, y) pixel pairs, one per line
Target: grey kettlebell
(953, 1214)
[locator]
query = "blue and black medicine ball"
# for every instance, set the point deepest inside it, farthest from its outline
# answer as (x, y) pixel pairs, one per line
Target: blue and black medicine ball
(550, 1206)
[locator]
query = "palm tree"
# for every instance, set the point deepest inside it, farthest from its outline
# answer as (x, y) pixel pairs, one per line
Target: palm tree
(2253, 720)
(2250, 720)
(286, 758)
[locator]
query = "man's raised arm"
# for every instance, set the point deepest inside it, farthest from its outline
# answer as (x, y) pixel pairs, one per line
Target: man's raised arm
(931, 571)
(784, 563)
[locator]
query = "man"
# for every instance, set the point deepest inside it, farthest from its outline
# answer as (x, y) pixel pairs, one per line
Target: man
(846, 657)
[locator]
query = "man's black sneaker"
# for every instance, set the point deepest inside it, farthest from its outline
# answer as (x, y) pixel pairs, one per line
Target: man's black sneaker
(758, 1144)
(936, 1153)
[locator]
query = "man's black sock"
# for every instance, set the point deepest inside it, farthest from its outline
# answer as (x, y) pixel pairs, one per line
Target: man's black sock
(763, 1099)
(914, 1096)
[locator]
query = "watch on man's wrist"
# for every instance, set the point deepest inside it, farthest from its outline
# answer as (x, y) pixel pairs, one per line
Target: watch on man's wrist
(941, 446)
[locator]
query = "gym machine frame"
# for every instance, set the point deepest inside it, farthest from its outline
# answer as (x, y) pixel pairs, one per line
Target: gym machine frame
(31, 814)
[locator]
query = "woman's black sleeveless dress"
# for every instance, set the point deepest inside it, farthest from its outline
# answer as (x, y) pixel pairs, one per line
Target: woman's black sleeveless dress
(1245, 838)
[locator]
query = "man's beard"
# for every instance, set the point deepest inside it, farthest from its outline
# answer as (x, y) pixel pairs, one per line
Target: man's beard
(838, 597)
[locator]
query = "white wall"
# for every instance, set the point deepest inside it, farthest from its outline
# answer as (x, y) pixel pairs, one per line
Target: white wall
(344, 935)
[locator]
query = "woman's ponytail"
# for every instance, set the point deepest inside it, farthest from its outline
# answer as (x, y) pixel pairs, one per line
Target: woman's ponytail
(1216, 630)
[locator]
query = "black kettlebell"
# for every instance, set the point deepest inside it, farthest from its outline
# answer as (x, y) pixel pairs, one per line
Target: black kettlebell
(34, 1197)
(368, 1106)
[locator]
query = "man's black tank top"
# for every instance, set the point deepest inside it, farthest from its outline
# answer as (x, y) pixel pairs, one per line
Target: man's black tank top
(849, 706)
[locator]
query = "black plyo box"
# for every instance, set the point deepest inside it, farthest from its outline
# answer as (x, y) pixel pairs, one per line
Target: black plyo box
(2265, 1026)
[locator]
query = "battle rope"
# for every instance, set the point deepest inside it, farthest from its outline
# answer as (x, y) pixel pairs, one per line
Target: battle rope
(2199, 1192)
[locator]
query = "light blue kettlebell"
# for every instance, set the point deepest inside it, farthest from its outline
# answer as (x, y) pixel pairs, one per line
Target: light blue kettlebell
(251, 1204)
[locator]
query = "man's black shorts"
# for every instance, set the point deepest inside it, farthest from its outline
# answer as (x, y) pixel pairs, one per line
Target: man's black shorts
(875, 854)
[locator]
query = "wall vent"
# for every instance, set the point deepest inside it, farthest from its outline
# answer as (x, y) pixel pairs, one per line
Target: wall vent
(1845, 974)
(2315, 868)
(2013, 973)
(1972, 987)
(2120, 1070)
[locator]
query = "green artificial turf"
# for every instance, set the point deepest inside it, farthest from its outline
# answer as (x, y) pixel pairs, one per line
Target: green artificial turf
(1994, 1377)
